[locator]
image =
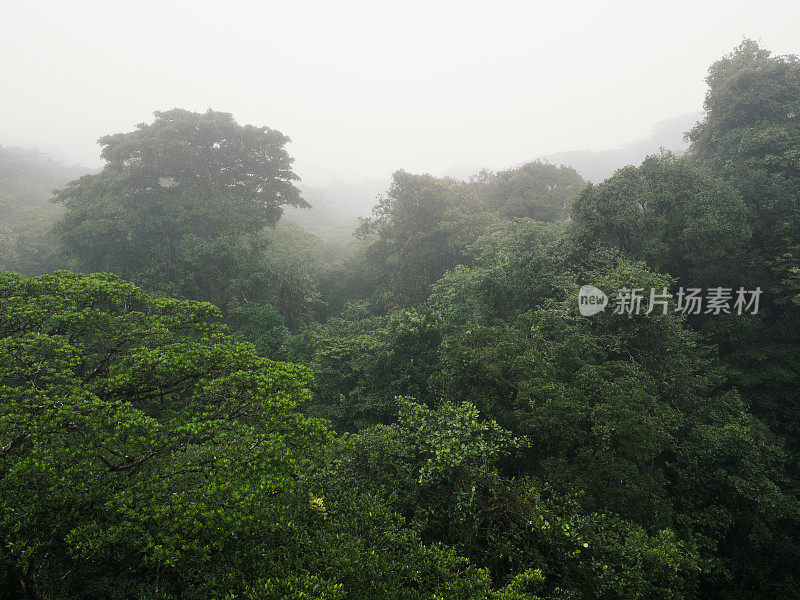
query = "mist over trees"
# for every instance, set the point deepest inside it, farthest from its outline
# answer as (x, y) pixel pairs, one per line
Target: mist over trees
(202, 399)
(27, 181)
(598, 165)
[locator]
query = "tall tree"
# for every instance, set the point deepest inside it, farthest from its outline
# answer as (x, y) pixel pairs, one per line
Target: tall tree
(173, 187)
(410, 243)
(536, 190)
(750, 136)
(679, 218)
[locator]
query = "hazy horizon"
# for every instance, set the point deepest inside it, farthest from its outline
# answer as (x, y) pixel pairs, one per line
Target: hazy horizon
(444, 88)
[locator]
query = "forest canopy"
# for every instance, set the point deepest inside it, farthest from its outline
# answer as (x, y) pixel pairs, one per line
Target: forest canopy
(199, 398)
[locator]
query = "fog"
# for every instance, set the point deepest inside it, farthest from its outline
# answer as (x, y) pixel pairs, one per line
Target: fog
(364, 88)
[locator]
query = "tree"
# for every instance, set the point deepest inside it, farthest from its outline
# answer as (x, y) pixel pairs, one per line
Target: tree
(439, 468)
(170, 188)
(425, 226)
(410, 241)
(635, 416)
(680, 219)
(750, 137)
(134, 432)
(632, 418)
(363, 364)
(535, 190)
(144, 453)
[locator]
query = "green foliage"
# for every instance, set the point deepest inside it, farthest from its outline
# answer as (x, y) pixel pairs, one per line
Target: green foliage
(750, 137)
(135, 432)
(535, 190)
(175, 198)
(180, 208)
(678, 218)
(439, 469)
(361, 365)
(411, 247)
(499, 445)
(145, 454)
(621, 413)
(425, 226)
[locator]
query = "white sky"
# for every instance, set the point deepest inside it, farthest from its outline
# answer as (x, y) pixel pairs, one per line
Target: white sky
(364, 88)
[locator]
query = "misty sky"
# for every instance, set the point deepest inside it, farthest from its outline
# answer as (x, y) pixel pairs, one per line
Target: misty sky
(364, 88)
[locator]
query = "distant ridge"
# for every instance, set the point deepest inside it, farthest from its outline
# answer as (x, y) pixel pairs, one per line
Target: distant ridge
(598, 165)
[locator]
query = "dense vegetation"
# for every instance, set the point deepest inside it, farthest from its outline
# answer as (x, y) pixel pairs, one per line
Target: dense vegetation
(209, 402)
